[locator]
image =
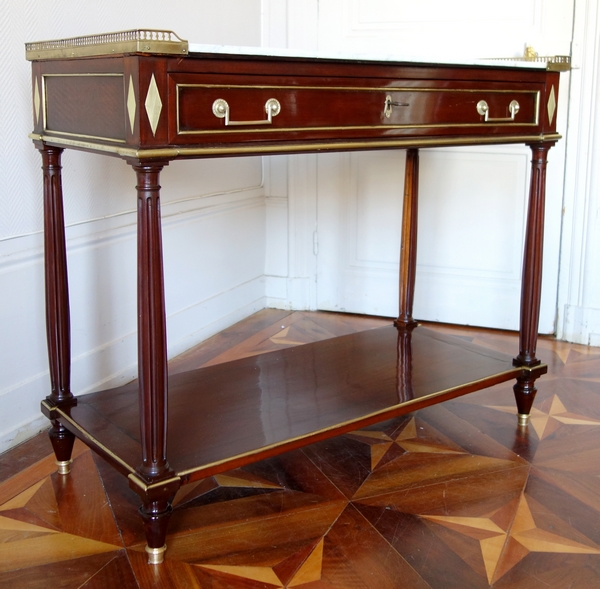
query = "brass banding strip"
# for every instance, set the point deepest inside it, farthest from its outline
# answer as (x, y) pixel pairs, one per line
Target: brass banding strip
(307, 146)
(482, 91)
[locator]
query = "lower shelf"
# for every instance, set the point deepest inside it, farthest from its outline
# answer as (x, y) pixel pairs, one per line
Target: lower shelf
(230, 414)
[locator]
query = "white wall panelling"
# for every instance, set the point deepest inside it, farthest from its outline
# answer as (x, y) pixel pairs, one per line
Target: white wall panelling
(360, 205)
(579, 286)
(213, 212)
(468, 28)
(431, 29)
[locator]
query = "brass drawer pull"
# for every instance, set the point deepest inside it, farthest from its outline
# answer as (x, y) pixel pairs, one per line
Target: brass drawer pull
(389, 103)
(220, 109)
(484, 109)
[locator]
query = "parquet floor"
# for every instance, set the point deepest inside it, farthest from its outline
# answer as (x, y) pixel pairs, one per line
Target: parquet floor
(454, 496)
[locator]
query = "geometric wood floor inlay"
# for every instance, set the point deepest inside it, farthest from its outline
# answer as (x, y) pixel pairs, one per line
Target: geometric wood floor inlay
(548, 417)
(455, 496)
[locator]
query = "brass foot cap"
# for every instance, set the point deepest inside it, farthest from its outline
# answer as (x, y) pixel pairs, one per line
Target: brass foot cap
(64, 466)
(156, 555)
(523, 419)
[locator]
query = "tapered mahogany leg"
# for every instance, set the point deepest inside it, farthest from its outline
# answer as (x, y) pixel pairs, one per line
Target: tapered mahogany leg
(408, 245)
(156, 516)
(531, 285)
(152, 355)
(58, 331)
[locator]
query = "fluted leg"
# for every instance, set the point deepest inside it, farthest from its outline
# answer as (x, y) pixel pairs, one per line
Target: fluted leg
(408, 244)
(152, 360)
(531, 285)
(58, 331)
(152, 332)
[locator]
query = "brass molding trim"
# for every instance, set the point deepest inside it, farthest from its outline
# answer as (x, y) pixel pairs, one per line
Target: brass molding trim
(388, 90)
(139, 482)
(158, 42)
(174, 152)
(186, 473)
(45, 104)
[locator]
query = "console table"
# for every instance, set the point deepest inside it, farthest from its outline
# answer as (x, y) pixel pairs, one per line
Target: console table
(148, 98)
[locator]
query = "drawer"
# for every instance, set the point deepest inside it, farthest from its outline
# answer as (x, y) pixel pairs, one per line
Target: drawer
(232, 111)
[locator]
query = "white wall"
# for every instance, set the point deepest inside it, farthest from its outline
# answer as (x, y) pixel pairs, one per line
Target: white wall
(212, 210)
(579, 285)
(431, 28)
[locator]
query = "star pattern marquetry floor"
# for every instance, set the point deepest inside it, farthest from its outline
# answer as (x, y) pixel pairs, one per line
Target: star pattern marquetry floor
(453, 496)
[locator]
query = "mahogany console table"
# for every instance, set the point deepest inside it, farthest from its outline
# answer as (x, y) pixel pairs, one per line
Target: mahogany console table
(149, 98)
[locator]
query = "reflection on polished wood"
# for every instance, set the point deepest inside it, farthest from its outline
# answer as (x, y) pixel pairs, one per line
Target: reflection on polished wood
(291, 397)
(450, 496)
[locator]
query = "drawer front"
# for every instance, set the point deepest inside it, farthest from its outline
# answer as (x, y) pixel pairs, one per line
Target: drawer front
(232, 112)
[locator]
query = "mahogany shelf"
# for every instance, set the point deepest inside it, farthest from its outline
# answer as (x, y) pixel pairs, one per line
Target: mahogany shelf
(231, 414)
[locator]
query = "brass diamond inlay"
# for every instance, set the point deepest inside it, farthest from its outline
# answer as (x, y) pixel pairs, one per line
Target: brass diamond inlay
(153, 105)
(36, 102)
(131, 103)
(551, 105)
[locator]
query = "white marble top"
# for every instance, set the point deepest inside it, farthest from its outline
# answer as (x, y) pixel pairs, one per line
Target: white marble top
(392, 57)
